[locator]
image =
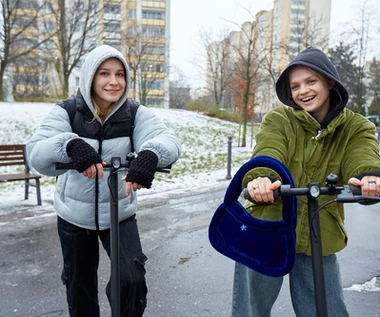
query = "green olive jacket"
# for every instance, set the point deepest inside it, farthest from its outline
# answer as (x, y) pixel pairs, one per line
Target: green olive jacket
(346, 147)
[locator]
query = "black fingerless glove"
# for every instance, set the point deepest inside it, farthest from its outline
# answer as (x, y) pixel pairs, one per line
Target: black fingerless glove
(142, 169)
(82, 154)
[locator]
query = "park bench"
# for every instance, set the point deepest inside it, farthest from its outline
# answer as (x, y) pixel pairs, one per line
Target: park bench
(14, 154)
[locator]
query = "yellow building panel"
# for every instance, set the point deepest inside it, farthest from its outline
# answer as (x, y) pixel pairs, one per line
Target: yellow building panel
(154, 4)
(131, 23)
(153, 22)
(154, 58)
(156, 93)
(154, 75)
(131, 4)
(26, 69)
(154, 40)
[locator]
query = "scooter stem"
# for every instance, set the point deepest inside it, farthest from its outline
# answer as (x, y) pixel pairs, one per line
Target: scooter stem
(316, 251)
(114, 214)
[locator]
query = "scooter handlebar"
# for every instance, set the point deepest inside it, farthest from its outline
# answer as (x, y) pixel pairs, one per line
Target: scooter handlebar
(345, 193)
(70, 166)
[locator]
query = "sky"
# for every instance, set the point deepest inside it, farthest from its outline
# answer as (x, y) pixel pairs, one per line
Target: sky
(188, 17)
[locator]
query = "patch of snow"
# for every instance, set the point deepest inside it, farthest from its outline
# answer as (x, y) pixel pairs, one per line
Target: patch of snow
(368, 287)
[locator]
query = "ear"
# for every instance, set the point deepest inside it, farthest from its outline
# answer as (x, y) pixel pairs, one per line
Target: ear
(330, 84)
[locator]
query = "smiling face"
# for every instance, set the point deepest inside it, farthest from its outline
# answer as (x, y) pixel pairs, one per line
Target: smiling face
(109, 84)
(310, 91)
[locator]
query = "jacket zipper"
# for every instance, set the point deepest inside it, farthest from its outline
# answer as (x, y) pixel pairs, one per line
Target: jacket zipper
(100, 140)
(319, 132)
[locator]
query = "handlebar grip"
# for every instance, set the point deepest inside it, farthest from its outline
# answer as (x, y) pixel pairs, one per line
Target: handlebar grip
(247, 196)
(356, 190)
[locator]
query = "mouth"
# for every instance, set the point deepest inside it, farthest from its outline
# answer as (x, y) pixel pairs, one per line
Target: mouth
(307, 99)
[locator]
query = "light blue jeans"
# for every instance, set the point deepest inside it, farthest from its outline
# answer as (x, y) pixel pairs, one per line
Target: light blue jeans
(254, 294)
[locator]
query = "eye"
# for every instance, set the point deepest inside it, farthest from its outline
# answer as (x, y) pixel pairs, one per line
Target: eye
(103, 73)
(120, 74)
(294, 87)
(312, 81)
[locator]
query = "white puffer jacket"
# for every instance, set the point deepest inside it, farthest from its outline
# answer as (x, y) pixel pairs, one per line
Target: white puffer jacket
(75, 196)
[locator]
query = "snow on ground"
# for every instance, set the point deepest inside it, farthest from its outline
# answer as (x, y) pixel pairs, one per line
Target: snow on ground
(370, 286)
(202, 166)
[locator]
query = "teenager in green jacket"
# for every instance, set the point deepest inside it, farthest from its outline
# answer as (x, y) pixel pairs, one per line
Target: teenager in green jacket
(313, 135)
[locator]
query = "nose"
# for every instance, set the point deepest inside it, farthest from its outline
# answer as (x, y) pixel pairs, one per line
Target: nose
(113, 80)
(304, 89)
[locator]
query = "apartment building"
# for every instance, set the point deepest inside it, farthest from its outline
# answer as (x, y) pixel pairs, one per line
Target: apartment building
(297, 24)
(282, 32)
(140, 29)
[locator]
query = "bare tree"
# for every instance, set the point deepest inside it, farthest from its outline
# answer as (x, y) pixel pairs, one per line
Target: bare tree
(247, 59)
(72, 26)
(179, 90)
(27, 80)
(361, 30)
(219, 69)
(19, 31)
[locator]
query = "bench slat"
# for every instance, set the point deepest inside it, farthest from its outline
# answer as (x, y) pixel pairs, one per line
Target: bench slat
(18, 177)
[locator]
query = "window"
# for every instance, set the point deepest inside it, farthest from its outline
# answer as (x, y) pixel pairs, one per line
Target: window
(24, 22)
(132, 31)
(76, 81)
(113, 43)
(298, 2)
(111, 8)
(49, 26)
(155, 101)
(153, 31)
(132, 14)
(49, 44)
(294, 40)
(48, 7)
(27, 4)
(26, 42)
(155, 84)
(152, 49)
(112, 27)
(298, 11)
(153, 15)
(79, 64)
(159, 68)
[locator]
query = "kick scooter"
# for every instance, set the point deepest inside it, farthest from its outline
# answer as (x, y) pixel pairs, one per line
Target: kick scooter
(114, 166)
(344, 194)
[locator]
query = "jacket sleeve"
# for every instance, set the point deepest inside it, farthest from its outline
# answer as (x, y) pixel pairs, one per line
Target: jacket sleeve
(362, 151)
(48, 144)
(271, 141)
(150, 133)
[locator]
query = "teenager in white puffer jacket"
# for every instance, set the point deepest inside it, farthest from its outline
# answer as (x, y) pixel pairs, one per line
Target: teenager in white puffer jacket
(99, 131)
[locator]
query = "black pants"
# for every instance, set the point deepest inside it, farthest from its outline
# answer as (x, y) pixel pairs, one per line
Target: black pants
(80, 249)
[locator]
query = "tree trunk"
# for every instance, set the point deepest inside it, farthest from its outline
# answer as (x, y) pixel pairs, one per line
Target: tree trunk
(2, 67)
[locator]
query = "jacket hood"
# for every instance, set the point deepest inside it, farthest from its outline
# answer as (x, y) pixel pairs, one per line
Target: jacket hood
(318, 61)
(89, 68)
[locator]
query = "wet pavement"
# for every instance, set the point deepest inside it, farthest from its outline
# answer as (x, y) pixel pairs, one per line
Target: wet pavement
(186, 277)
